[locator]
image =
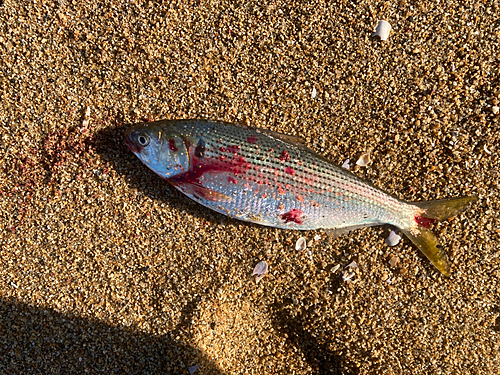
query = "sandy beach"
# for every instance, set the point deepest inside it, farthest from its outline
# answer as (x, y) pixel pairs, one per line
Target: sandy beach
(106, 268)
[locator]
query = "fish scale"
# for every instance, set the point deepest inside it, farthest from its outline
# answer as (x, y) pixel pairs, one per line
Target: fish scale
(270, 179)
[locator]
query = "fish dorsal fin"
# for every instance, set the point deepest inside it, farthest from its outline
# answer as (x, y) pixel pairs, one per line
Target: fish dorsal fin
(284, 137)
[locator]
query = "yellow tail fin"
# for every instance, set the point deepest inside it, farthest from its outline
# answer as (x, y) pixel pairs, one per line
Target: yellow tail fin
(425, 239)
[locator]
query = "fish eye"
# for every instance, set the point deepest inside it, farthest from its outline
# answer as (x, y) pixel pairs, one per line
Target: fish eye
(142, 139)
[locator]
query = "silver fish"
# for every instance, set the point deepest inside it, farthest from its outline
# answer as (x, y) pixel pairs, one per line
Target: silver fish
(271, 179)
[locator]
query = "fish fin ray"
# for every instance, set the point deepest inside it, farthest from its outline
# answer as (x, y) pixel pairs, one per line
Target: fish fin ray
(445, 208)
(284, 137)
(426, 241)
(337, 232)
(201, 192)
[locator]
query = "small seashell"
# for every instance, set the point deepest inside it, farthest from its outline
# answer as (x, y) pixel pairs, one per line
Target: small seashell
(349, 271)
(486, 150)
(313, 93)
(86, 118)
(301, 244)
(260, 270)
(353, 264)
(317, 237)
(495, 109)
(394, 261)
(383, 30)
(393, 239)
(335, 269)
(347, 164)
(363, 160)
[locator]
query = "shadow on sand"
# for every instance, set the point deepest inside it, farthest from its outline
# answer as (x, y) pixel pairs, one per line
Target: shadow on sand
(43, 341)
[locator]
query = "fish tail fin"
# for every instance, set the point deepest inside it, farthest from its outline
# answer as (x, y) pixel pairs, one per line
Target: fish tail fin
(445, 208)
(425, 240)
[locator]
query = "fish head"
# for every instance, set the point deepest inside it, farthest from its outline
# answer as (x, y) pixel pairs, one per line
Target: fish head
(161, 148)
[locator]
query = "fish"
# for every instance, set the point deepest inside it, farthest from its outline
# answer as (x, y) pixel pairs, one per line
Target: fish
(268, 178)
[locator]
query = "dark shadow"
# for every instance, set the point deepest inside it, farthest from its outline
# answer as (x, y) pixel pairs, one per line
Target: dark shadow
(314, 347)
(42, 341)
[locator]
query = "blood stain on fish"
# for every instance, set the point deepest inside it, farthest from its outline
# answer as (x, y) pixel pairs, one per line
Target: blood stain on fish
(290, 171)
(424, 221)
(171, 145)
(293, 216)
(200, 149)
(234, 149)
(252, 139)
(285, 156)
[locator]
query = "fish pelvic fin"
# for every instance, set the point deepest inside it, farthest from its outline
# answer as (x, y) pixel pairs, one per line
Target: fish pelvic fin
(445, 208)
(425, 239)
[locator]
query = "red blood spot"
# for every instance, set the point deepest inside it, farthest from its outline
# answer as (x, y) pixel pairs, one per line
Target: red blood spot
(285, 156)
(281, 190)
(232, 180)
(234, 149)
(171, 145)
(264, 195)
(293, 216)
(200, 166)
(271, 150)
(222, 149)
(290, 171)
(241, 161)
(252, 139)
(424, 221)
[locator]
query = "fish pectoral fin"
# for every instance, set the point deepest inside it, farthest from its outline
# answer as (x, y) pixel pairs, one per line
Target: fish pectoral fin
(201, 192)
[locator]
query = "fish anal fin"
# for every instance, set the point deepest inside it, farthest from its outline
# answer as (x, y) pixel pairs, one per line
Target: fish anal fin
(337, 232)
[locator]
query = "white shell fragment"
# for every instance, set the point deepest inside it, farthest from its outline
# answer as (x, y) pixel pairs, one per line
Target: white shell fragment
(495, 109)
(317, 237)
(192, 369)
(363, 160)
(86, 118)
(394, 261)
(301, 244)
(393, 239)
(349, 271)
(335, 269)
(383, 30)
(260, 270)
(313, 93)
(347, 164)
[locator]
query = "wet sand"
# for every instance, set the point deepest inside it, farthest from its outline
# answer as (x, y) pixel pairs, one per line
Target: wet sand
(107, 269)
